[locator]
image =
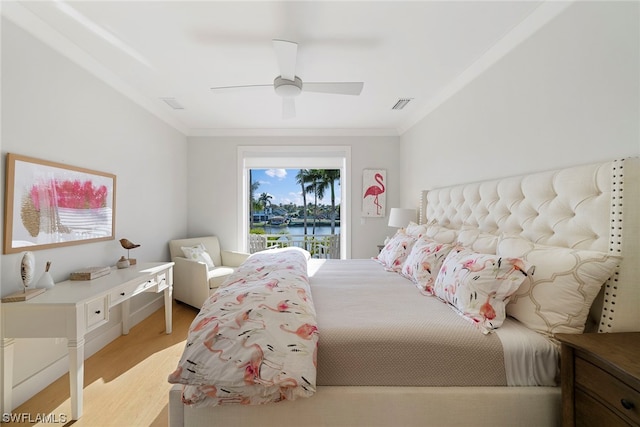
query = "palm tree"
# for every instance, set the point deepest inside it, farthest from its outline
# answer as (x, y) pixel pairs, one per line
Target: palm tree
(302, 178)
(265, 199)
(316, 186)
(330, 177)
(252, 189)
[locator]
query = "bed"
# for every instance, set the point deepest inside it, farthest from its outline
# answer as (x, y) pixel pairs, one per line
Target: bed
(374, 368)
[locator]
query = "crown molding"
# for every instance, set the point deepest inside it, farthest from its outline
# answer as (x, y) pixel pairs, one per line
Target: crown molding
(28, 21)
(293, 132)
(538, 18)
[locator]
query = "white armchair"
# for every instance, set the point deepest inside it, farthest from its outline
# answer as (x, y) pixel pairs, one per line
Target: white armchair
(194, 281)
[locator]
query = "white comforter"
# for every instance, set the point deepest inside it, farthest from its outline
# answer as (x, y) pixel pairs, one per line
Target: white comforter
(255, 339)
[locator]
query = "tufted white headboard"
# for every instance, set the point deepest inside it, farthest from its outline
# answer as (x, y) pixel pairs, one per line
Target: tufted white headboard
(594, 207)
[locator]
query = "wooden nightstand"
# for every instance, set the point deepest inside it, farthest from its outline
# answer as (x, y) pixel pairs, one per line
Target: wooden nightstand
(600, 379)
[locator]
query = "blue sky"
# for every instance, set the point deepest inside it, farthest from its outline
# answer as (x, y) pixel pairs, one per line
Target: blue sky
(281, 184)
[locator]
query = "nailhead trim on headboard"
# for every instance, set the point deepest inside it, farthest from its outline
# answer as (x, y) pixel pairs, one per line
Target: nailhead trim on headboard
(615, 245)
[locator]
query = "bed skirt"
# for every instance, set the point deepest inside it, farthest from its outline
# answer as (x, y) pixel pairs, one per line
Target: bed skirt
(386, 406)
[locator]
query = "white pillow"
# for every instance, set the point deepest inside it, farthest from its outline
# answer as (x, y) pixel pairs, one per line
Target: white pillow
(198, 253)
(558, 295)
(478, 285)
(423, 263)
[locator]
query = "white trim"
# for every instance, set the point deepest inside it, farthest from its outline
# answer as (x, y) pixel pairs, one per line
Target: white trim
(293, 132)
(318, 157)
(544, 13)
(30, 22)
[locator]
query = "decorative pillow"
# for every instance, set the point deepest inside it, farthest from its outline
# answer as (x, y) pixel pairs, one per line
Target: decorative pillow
(198, 253)
(477, 240)
(416, 230)
(478, 285)
(558, 295)
(441, 234)
(395, 251)
(424, 262)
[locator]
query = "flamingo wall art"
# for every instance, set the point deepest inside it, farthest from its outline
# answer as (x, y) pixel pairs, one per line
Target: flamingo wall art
(374, 192)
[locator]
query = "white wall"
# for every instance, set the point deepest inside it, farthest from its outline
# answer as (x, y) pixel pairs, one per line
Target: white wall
(54, 110)
(568, 95)
(213, 184)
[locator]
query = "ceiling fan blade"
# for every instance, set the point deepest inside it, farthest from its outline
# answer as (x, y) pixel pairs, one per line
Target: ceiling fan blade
(340, 88)
(288, 107)
(224, 88)
(286, 54)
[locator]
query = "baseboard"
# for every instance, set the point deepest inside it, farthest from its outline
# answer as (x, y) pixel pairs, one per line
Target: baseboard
(33, 385)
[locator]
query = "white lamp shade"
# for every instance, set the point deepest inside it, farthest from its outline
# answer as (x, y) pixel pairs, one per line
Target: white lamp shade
(401, 217)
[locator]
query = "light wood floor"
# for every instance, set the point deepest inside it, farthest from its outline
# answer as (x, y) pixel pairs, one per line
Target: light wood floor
(125, 383)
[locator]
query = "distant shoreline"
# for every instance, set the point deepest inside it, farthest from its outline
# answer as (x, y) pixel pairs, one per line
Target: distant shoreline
(298, 223)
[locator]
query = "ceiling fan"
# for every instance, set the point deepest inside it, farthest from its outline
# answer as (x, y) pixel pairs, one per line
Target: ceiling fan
(288, 85)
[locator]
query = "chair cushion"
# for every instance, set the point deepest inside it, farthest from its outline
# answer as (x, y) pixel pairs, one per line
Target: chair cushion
(218, 275)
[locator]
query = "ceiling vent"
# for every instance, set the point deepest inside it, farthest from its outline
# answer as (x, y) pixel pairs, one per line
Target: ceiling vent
(402, 102)
(171, 102)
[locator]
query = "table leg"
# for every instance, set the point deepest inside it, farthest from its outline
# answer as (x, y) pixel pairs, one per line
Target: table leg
(76, 376)
(168, 310)
(7, 374)
(126, 320)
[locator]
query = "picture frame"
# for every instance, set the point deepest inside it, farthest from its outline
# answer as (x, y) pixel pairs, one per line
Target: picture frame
(374, 193)
(50, 205)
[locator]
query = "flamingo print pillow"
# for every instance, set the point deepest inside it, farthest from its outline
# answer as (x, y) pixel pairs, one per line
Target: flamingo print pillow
(424, 262)
(395, 252)
(478, 286)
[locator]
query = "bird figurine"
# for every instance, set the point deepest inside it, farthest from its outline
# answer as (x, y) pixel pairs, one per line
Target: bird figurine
(128, 245)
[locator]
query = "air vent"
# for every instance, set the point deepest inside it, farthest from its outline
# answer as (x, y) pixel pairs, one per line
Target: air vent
(171, 102)
(402, 102)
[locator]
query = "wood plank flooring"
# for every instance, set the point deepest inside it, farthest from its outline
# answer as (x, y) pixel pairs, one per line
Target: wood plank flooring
(125, 383)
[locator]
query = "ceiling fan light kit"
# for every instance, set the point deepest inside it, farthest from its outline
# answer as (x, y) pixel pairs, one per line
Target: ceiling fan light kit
(287, 88)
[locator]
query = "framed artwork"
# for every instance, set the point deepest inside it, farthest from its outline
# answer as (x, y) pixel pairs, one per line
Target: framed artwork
(374, 193)
(50, 204)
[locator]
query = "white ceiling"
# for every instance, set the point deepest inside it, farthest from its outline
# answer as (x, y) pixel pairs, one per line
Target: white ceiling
(425, 50)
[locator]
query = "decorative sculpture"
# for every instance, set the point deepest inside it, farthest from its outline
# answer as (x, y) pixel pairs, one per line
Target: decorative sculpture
(128, 245)
(27, 267)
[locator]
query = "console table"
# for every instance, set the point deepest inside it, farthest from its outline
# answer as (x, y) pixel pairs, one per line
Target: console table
(71, 309)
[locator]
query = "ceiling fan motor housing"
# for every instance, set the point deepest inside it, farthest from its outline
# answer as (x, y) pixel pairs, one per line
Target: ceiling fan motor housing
(287, 88)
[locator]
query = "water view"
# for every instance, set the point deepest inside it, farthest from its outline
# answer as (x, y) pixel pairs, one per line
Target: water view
(320, 230)
(281, 200)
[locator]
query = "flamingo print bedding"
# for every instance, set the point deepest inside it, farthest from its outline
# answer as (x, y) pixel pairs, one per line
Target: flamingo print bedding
(255, 339)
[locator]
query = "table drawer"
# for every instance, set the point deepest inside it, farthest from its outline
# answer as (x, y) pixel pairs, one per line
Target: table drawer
(162, 280)
(97, 312)
(591, 413)
(145, 286)
(122, 293)
(610, 390)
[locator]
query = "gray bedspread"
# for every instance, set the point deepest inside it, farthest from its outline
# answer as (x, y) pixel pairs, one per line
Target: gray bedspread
(376, 328)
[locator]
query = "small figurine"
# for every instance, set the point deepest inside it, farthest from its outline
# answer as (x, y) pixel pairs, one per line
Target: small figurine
(127, 244)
